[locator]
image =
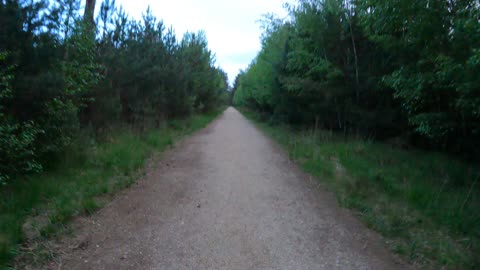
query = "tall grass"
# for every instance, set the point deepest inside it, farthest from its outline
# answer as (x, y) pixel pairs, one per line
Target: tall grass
(426, 205)
(36, 207)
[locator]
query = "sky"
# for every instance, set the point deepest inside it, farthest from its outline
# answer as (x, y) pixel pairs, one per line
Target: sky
(232, 27)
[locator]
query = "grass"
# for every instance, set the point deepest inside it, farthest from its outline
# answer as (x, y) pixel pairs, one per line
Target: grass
(37, 207)
(426, 205)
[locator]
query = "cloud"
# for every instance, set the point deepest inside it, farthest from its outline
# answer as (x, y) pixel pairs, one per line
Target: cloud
(231, 27)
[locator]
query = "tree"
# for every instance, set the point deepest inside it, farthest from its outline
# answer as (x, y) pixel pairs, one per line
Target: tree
(89, 12)
(60, 77)
(434, 44)
(374, 68)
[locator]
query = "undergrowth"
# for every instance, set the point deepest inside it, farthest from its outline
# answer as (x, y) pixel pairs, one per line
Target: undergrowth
(425, 204)
(36, 207)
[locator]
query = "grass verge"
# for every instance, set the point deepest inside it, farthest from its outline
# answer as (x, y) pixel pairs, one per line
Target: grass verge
(426, 205)
(36, 207)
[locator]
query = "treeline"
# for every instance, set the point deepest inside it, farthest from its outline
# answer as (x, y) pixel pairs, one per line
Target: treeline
(408, 70)
(61, 72)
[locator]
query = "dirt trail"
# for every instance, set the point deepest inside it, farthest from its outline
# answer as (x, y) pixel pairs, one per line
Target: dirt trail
(225, 198)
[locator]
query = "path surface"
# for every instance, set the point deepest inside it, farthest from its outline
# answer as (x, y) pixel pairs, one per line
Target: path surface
(225, 198)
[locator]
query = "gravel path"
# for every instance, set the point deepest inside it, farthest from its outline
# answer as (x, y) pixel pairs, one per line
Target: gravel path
(225, 198)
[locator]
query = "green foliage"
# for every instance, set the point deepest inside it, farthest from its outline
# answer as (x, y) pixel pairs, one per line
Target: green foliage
(150, 76)
(433, 81)
(17, 149)
(425, 204)
(61, 75)
(257, 87)
(397, 71)
(65, 83)
(54, 66)
(36, 207)
(373, 68)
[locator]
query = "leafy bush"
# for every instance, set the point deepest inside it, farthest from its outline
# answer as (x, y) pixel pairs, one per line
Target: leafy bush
(17, 148)
(62, 75)
(378, 69)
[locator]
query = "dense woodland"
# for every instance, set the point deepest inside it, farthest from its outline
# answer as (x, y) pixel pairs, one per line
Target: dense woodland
(87, 99)
(406, 71)
(63, 72)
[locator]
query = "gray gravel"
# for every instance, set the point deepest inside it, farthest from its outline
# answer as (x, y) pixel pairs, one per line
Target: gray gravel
(224, 198)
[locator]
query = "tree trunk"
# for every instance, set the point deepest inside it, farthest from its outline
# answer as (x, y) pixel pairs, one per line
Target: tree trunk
(357, 79)
(89, 12)
(317, 118)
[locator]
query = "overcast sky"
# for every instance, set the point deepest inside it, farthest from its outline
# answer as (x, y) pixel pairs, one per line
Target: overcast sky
(231, 26)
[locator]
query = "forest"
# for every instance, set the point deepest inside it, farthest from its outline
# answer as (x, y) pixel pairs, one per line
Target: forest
(85, 100)
(62, 72)
(406, 70)
(380, 100)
